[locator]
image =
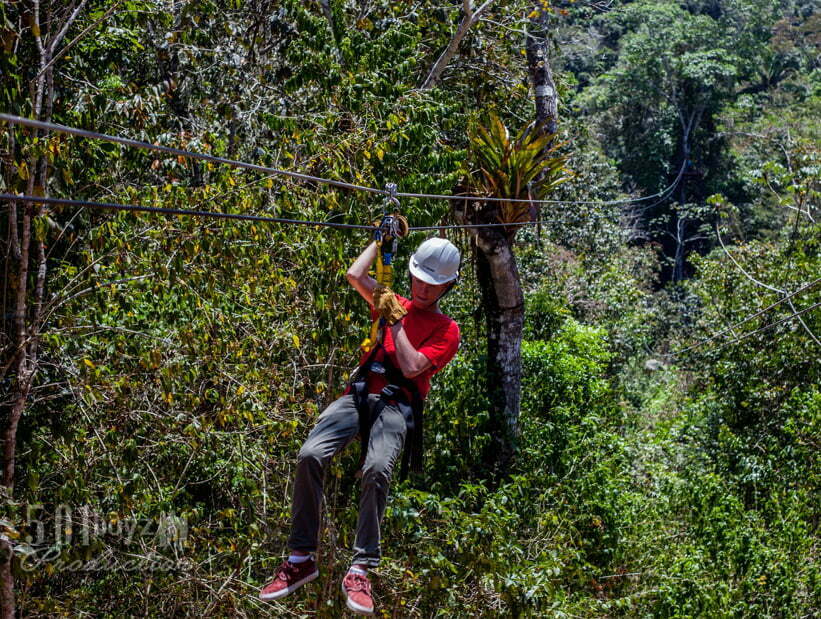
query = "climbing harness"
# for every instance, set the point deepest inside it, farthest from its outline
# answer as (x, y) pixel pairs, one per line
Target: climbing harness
(401, 392)
(389, 230)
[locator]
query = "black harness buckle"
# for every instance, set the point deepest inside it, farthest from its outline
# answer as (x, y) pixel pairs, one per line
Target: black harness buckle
(378, 368)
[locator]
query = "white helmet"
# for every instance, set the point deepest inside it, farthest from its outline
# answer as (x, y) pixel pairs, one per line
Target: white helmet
(435, 262)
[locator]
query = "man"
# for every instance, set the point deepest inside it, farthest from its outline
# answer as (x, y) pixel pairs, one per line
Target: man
(382, 406)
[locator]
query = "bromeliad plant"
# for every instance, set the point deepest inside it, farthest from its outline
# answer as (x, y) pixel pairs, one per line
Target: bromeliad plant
(519, 168)
(525, 168)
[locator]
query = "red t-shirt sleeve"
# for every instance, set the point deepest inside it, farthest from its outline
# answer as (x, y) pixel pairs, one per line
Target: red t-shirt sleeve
(441, 346)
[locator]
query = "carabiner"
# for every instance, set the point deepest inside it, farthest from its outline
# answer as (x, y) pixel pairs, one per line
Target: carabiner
(391, 197)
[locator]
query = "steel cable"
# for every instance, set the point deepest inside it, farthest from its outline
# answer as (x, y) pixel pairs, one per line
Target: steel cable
(172, 211)
(766, 327)
(807, 286)
(195, 213)
(16, 120)
(47, 126)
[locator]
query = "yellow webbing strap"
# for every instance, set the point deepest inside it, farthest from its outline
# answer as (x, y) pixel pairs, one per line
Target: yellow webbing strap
(384, 275)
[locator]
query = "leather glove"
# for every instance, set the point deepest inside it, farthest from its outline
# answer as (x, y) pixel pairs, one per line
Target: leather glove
(386, 305)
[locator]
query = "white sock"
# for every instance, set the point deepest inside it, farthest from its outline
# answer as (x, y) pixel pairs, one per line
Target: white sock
(298, 558)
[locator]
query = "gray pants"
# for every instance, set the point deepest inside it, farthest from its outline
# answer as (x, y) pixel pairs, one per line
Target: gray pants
(336, 427)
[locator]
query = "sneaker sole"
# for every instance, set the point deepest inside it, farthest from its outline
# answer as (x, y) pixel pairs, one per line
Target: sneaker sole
(281, 594)
(357, 608)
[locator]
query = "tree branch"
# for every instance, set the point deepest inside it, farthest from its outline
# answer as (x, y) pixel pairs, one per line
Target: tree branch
(545, 95)
(470, 17)
(69, 21)
(75, 40)
(767, 286)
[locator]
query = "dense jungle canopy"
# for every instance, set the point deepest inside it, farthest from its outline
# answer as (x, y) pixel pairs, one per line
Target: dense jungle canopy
(660, 454)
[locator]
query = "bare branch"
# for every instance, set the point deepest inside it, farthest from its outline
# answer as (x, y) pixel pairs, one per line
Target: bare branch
(75, 40)
(62, 301)
(767, 286)
(69, 21)
(470, 17)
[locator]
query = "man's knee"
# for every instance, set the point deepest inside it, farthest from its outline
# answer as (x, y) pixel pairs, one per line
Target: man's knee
(311, 457)
(377, 472)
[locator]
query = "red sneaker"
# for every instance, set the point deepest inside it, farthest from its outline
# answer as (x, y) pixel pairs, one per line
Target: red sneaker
(357, 590)
(288, 578)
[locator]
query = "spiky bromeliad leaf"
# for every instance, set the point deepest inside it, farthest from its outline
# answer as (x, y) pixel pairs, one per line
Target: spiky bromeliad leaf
(509, 166)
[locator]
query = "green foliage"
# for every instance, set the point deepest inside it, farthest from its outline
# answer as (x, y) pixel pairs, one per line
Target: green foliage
(477, 547)
(673, 68)
(517, 169)
(184, 361)
(667, 72)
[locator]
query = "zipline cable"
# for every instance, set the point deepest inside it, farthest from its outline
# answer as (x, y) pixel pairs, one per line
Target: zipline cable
(660, 194)
(37, 124)
(172, 211)
(235, 216)
(807, 286)
(766, 327)
(47, 126)
(664, 195)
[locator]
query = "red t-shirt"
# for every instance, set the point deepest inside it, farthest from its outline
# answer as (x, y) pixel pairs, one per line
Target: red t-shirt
(434, 335)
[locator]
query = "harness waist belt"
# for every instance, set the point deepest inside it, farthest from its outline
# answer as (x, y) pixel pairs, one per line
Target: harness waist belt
(395, 392)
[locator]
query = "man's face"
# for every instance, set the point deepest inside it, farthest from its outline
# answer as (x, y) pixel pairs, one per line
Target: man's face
(425, 295)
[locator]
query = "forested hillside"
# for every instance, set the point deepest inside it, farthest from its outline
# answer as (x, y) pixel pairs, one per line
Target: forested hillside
(656, 454)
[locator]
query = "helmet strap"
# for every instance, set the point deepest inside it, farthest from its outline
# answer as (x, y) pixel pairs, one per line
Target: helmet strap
(448, 289)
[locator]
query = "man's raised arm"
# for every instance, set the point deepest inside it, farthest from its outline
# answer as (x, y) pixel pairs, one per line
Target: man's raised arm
(358, 273)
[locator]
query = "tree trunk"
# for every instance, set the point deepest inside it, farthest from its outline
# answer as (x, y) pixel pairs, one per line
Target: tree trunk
(680, 222)
(681, 240)
(503, 307)
(498, 274)
(503, 302)
(6, 581)
(545, 96)
(26, 260)
(7, 601)
(538, 65)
